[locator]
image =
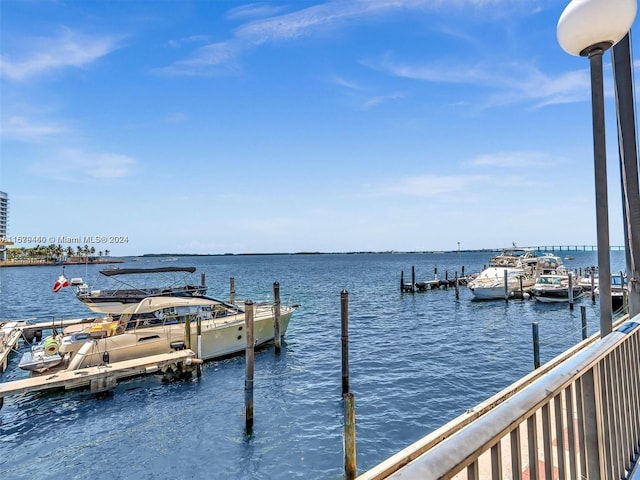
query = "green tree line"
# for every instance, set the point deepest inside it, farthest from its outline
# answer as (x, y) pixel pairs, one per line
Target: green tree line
(53, 252)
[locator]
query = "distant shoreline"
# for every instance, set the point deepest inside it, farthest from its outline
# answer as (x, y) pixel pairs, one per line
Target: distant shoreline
(550, 248)
(49, 263)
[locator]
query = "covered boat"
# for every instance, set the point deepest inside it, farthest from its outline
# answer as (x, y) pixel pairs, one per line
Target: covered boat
(490, 283)
(125, 292)
(158, 325)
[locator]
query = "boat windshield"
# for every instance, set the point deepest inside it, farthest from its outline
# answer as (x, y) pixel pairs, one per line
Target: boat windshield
(550, 280)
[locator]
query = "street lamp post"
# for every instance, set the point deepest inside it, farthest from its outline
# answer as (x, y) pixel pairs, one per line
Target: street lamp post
(588, 28)
(622, 73)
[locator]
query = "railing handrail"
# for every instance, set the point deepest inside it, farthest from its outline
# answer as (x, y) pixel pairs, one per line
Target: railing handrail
(483, 409)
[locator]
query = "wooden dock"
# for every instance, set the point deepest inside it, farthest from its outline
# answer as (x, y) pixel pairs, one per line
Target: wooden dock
(103, 377)
(423, 286)
(10, 333)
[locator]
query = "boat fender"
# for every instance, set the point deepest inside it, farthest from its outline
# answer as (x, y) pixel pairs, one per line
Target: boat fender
(105, 357)
(51, 346)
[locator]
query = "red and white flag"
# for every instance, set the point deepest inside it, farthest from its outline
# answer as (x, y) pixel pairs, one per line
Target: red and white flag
(60, 283)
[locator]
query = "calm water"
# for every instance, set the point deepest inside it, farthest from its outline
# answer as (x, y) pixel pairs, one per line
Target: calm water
(416, 362)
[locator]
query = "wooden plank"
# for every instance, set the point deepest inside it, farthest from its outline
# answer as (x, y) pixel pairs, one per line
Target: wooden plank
(83, 377)
(7, 344)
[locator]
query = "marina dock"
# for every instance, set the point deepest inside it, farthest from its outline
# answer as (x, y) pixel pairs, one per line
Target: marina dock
(100, 378)
(10, 333)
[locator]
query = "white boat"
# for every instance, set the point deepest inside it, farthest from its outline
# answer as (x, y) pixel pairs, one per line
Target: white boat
(524, 258)
(585, 280)
(618, 289)
(42, 356)
(550, 264)
(158, 325)
(490, 283)
(555, 288)
(125, 291)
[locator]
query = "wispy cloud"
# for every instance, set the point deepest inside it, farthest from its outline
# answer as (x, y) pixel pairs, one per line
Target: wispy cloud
(74, 165)
(267, 25)
(177, 117)
(516, 160)
(25, 129)
(431, 186)
(512, 83)
(40, 55)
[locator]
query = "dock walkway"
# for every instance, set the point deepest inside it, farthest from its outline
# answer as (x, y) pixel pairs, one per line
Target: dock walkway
(10, 333)
(99, 378)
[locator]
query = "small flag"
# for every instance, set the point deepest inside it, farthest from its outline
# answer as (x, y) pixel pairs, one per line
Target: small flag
(60, 283)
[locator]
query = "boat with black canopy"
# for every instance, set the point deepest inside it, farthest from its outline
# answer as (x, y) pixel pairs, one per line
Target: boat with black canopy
(177, 282)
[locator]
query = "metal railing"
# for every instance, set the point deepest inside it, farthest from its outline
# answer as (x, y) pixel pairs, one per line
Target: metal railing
(576, 417)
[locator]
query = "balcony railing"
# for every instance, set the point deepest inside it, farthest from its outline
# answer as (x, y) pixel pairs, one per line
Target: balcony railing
(576, 417)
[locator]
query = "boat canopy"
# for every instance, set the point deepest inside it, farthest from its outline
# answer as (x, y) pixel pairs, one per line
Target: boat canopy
(126, 271)
(151, 304)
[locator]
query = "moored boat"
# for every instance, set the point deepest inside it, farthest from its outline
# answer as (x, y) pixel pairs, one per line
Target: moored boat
(555, 288)
(159, 325)
(125, 292)
(618, 291)
(490, 283)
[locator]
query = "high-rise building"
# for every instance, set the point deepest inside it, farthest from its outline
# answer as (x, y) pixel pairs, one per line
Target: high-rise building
(4, 216)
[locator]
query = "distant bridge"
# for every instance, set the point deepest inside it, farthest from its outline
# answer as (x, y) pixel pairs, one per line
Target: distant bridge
(572, 248)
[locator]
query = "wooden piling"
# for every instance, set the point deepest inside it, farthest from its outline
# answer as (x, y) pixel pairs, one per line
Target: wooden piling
(276, 317)
(202, 280)
(349, 437)
(521, 288)
(413, 279)
(457, 287)
(570, 291)
(401, 280)
(506, 286)
(536, 345)
(593, 286)
(187, 331)
(344, 309)
(232, 290)
(199, 345)
(249, 355)
(583, 316)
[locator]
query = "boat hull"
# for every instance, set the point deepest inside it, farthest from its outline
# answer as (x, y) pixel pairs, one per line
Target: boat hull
(490, 284)
(219, 338)
(557, 295)
(36, 362)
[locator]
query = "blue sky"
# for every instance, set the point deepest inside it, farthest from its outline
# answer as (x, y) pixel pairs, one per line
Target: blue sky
(331, 126)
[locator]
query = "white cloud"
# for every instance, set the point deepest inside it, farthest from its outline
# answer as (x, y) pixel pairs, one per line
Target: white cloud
(74, 165)
(43, 54)
(301, 23)
(429, 186)
(24, 129)
(513, 160)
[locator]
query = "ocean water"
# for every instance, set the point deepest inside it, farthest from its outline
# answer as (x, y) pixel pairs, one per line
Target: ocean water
(416, 362)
